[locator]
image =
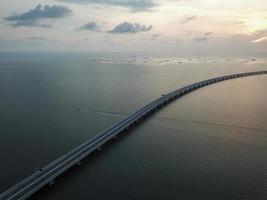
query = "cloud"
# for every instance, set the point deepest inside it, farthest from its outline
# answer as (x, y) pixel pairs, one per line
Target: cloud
(200, 39)
(154, 37)
(189, 18)
(90, 26)
(259, 36)
(33, 16)
(200, 36)
(262, 39)
(208, 33)
(127, 27)
(36, 38)
(135, 5)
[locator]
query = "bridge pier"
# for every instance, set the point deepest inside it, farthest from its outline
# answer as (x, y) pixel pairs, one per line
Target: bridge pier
(115, 136)
(51, 183)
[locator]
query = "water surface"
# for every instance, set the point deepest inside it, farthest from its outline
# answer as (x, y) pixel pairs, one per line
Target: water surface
(210, 144)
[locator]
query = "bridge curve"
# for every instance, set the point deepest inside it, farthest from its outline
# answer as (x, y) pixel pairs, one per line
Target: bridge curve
(47, 174)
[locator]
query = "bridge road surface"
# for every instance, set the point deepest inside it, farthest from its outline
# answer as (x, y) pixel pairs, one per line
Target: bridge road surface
(47, 174)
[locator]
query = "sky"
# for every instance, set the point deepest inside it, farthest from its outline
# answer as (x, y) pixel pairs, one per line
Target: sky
(221, 27)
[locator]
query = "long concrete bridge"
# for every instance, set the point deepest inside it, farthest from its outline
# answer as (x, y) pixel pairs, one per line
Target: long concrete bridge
(47, 174)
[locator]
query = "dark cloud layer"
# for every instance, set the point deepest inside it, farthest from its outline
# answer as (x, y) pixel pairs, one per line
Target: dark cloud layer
(33, 16)
(91, 26)
(127, 27)
(135, 5)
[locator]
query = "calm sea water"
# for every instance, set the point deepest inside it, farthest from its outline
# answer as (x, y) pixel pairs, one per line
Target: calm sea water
(210, 144)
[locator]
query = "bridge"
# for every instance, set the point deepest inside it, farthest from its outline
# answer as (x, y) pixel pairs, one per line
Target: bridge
(49, 173)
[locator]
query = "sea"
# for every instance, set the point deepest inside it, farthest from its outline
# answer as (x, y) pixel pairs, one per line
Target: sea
(210, 144)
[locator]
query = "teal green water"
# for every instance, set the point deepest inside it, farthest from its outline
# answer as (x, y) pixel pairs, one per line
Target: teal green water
(210, 144)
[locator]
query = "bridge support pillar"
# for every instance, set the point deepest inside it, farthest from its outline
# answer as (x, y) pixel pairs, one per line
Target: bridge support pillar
(115, 137)
(51, 183)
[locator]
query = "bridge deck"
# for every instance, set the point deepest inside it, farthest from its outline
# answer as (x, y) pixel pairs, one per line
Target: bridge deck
(47, 174)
